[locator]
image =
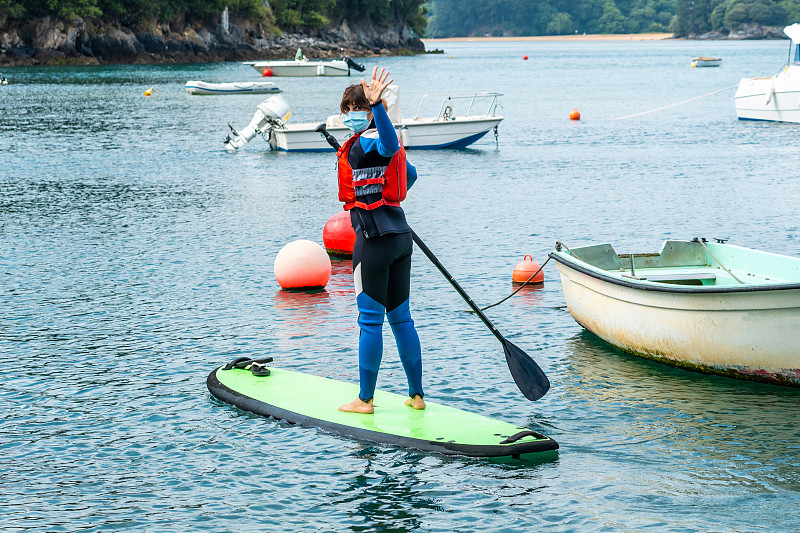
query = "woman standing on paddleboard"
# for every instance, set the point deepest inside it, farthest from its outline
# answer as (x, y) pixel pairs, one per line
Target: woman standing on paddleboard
(374, 177)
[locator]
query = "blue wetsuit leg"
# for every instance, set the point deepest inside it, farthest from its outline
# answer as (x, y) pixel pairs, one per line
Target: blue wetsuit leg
(370, 344)
(382, 271)
(405, 335)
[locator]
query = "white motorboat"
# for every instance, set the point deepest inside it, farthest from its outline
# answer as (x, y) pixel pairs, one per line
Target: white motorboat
(447, 129)
(706, 62)
(302, 66)
(773, 98)
(711, 307)
(242, 87)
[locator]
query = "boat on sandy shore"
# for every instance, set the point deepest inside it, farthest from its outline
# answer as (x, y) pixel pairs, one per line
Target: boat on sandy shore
(239, 87)
(302, 66)
(710, 307)
(706, 62)
(773, 98)
(456, 125)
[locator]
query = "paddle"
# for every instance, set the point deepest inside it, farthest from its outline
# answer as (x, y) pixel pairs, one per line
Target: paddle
(530, 379)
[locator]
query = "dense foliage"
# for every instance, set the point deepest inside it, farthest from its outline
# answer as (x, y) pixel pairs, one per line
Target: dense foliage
(700, 16)
(461, 18)
(285, 14)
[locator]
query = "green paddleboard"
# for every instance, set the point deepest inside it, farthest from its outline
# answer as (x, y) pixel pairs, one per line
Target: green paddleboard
(313, 401)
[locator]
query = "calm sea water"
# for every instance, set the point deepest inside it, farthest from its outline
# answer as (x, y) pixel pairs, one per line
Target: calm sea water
(137, 256)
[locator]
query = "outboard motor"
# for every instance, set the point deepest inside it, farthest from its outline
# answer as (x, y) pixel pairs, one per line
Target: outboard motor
(352, 64)
(272, 112)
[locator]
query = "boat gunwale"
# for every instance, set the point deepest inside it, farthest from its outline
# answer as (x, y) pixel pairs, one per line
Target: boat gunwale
(561, 257)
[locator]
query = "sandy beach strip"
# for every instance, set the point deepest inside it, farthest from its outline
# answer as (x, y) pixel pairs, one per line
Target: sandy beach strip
(604, 37)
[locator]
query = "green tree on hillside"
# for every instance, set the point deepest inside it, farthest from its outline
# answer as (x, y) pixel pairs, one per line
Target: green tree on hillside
(286, 14)
(455, 18)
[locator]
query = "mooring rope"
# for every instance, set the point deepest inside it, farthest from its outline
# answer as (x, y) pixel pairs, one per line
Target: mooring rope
(516, 291)
(677, 104)
(720, 264)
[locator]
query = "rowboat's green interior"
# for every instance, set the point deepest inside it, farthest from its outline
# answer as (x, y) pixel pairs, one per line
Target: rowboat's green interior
(319, 398)
(688, 263)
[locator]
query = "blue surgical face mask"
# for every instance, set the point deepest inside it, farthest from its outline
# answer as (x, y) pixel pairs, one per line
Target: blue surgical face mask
(357, 121)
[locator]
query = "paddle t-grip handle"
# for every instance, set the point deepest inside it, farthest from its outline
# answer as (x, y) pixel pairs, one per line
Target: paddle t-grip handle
(328, 137)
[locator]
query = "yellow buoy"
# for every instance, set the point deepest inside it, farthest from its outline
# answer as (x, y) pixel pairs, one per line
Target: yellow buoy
(149, 92)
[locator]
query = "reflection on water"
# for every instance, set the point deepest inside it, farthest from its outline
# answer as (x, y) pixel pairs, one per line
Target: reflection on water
(737, 431)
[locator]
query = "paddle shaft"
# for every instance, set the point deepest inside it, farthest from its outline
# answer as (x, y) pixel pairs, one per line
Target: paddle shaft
(456, 286)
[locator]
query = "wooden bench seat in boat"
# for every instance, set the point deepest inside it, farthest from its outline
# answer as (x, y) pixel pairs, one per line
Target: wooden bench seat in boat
(675, 277)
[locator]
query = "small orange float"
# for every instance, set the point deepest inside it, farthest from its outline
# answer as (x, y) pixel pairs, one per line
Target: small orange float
(266, 72)
(574, 115)
(525, 269)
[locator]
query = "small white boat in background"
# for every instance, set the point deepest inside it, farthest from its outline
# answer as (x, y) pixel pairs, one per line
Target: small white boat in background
(773, 98)
(455, 126)
(302, 66)
(243, 87)
(710, 307)
(706, 62)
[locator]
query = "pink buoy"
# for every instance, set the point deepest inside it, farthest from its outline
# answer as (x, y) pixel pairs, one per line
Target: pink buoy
(525, 269)
(338, 236)
(302, 265)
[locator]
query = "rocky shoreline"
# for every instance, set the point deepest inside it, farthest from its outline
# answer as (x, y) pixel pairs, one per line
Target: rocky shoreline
(49, 42)
(743, 32)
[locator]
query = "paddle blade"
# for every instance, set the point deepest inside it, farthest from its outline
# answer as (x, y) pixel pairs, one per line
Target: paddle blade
(530, 379)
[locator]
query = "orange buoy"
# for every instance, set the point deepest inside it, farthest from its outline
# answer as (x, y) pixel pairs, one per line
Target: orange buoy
(525, 269)
(266, 72)
(524, 57)
(574, 115)
(338, 236)
(302, 265)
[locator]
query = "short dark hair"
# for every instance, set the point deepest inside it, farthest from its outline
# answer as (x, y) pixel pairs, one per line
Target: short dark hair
(353, 95)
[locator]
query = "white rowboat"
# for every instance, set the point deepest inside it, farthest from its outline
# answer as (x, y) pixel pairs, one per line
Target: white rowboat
(710, 307)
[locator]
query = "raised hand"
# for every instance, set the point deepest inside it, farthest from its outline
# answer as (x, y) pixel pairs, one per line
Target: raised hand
(377, 84)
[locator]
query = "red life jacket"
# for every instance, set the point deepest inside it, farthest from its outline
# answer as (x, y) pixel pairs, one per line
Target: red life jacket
(389, 181)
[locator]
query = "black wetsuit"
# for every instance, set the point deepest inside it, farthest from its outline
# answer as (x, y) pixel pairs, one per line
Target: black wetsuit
(382, 264)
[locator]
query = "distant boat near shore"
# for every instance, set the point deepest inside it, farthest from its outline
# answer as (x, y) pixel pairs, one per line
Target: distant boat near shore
(302, 66)
(243, 87)
(706, 62)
